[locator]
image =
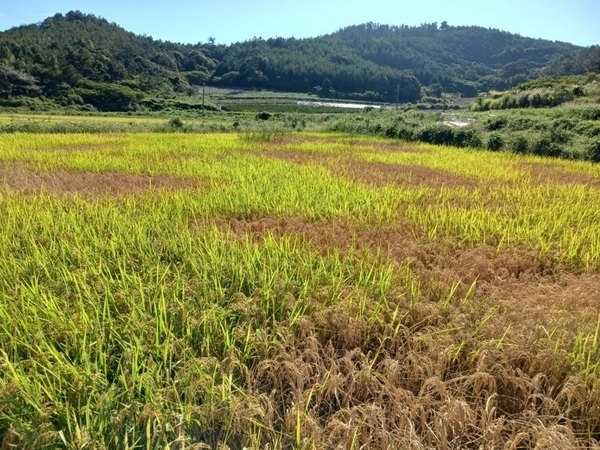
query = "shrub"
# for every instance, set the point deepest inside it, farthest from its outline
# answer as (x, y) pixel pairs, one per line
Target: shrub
(589, 129)
(467, 138)
(473, 139)
(520, 145)
(523, 100)
(391, 131)
(437, 134)
(496, 124)
(593, 151)
(544, 147)
(536, 100)
(176, 123)
(263, 115)
(495, 142)
(590, 114)
(406, 134)
(578, 91)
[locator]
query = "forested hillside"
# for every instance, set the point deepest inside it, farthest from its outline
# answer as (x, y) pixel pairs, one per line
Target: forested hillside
(79, 59)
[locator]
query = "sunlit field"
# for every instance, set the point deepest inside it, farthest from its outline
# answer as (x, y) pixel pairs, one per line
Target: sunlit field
(307, 291)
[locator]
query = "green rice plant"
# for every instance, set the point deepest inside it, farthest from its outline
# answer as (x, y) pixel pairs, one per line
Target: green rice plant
(586, 353)
(122, 288)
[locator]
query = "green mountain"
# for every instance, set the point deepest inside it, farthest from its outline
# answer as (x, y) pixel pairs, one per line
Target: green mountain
(80, 59)
(372, 57)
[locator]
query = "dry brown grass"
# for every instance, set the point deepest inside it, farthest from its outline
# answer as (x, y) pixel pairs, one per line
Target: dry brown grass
(410, 398)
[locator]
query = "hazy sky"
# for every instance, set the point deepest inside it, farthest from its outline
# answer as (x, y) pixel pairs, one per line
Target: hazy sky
(189, 21)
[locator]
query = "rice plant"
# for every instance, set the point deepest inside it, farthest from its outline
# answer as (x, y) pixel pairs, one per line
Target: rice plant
(309, 291)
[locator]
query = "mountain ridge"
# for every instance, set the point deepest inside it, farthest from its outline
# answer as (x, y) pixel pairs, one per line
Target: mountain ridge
(81, 59)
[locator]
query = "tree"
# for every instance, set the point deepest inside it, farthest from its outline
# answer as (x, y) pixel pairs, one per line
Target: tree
(495, 142)
(14, 82)
(109, 97)
(6, 55)
(367, 61)
(593, 151)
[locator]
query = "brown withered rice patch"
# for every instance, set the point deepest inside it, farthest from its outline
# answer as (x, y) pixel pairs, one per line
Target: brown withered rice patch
(545, 174)
(528, 291)
(17, 178)
(467, 372)
(377, 173)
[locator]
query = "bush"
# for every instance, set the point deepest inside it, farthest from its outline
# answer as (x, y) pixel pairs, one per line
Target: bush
(590, 114)
(520, 145)
(406, 134)
(437, 134)
(593, 151)
(496, 124)
(467, 138)
(495, 142)
(473, 139)
(544, 147)
(263, 115)
(391, 131)
(176, 123)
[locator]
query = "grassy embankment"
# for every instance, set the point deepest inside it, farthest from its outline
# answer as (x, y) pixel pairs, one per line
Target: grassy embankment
(296, 291)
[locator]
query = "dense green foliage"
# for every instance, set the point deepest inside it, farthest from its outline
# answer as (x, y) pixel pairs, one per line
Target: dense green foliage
(568, 129)
(66, 57)
(544, 92)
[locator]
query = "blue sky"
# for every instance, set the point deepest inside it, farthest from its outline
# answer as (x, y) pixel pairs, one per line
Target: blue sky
(190, 21)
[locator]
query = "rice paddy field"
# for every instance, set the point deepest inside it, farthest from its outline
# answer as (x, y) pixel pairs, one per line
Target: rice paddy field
(295, 291)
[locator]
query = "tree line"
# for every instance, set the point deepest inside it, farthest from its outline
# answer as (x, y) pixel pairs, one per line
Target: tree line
(79, 58)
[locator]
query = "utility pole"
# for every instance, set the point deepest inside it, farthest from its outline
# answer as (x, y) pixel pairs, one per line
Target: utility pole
(397, 96)
(203, 86)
